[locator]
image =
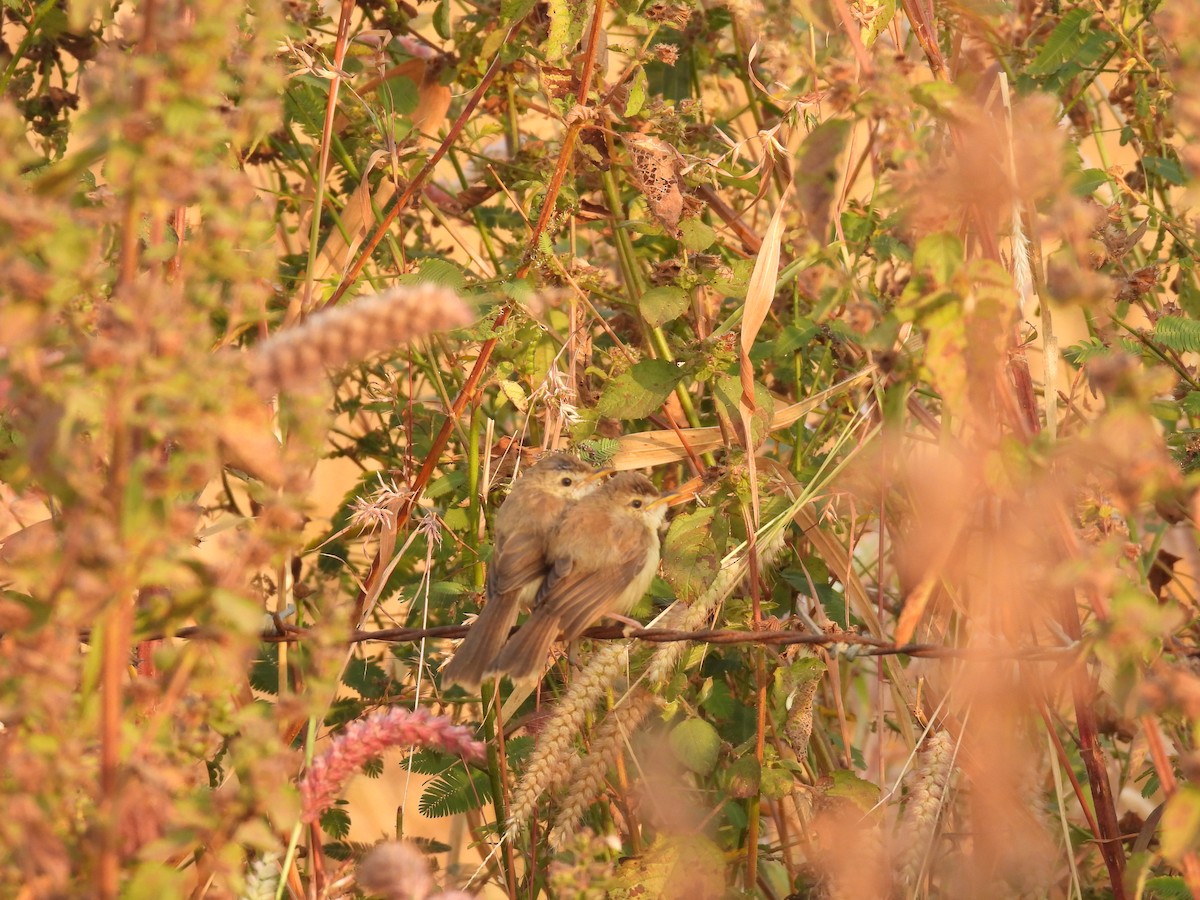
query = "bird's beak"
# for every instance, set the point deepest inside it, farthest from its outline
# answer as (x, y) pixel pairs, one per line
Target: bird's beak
(598, 474)
(670, 499)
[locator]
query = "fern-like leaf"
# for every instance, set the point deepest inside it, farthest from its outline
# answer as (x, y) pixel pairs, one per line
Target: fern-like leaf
(456, 791)
(1178, 333)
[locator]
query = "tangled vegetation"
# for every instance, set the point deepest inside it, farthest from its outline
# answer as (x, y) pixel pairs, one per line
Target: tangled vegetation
(904, 293)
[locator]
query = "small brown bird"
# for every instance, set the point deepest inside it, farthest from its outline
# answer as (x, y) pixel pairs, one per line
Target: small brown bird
(524, 526)
(600, 561)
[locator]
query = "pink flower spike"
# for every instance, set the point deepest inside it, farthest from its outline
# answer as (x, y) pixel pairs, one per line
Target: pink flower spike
(368, 737)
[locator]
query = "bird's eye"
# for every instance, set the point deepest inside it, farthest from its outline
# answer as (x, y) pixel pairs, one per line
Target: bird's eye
(637, 504)
(566, 482)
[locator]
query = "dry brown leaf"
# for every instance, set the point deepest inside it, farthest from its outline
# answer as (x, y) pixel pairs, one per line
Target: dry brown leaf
(655, 173)
(761, 291)
(357, 218)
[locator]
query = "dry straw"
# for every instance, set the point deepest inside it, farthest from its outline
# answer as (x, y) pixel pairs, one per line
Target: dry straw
(926, 799)
(549, 764)
(586, 777)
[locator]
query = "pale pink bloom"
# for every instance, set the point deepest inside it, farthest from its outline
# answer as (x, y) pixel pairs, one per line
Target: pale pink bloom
(367, 738)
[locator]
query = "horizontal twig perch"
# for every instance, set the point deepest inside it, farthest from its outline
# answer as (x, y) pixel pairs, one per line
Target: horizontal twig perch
(864, 645)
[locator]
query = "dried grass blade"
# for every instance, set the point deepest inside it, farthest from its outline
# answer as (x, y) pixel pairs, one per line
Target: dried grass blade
(660, 447)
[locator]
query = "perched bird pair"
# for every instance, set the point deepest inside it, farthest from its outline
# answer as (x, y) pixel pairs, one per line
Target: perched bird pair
(572, 548)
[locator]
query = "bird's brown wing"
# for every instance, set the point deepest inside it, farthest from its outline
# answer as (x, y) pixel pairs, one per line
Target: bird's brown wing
(518, 561)
(578, 596)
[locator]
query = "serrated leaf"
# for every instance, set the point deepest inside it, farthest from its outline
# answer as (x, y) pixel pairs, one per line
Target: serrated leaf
(941, 254)
(696, 744)
(641, 390)
(776, 782)
(1067, 38)
(662, 304)
(1169, 170)
(696, 235)
(690, 555)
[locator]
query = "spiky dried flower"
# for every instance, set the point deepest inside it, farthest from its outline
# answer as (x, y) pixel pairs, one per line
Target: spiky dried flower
(668, 54)
(367, 738)
(354, 332)
(587, 773)
(380, 507)
(674, 14)
(548, 763)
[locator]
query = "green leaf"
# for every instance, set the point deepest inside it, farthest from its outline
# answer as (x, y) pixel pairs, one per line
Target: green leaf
(441, 19)
(696, 744)
(941, 254)
(695, 235)
(1086, 181)
(876, 16)
(366, 677)
(734, 281)
(745, 777)
(849, 786)
(1178, 333)
(1086, 350)
(512, 10)
(1181, 823)
(640, 391)
(439, 271)
(638, 86)
(1065, 41)
(455, 791)
(690, 555)
(1167, 887)
(264, 674)
(662, 304)
(335, 822)
(1169, 170)
(566, 27)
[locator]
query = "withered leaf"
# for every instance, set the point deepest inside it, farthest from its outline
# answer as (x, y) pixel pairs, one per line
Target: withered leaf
(655, 173)
(817, 173)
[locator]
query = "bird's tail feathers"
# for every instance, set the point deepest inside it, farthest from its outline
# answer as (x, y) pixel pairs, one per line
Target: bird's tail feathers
(482, 644)
(524, 657)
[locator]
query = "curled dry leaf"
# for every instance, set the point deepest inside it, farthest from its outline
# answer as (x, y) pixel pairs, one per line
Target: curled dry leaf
(655, 173)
